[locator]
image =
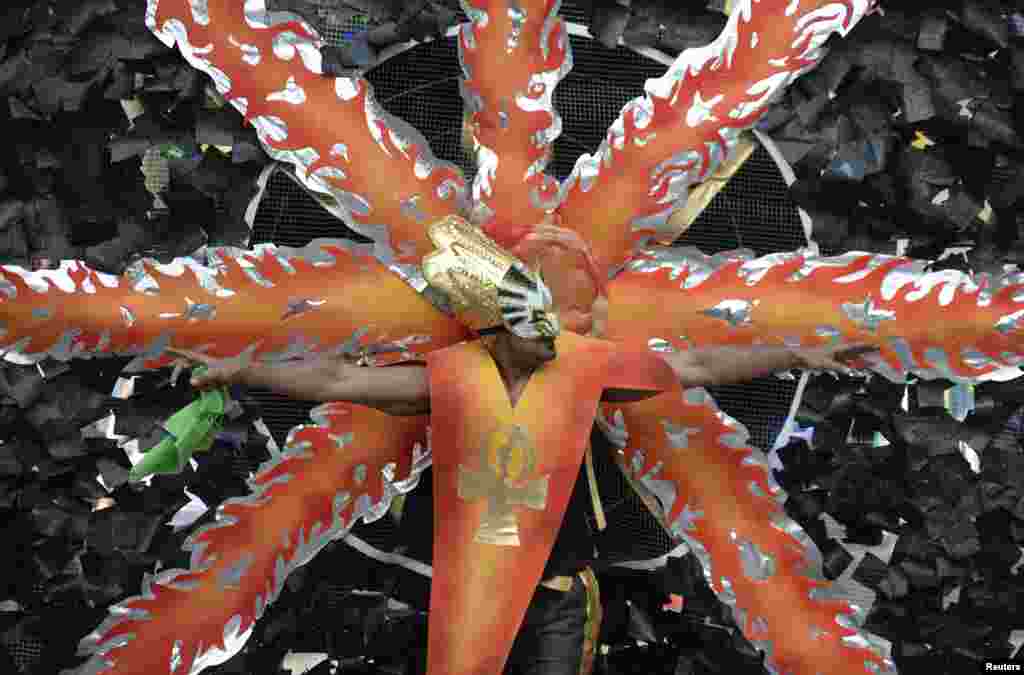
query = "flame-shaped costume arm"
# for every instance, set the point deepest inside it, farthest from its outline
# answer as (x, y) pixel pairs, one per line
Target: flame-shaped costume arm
(274, 303)
(379, 170)
(717, 495)
(715, 490)
(932, 324)
(513, 54)
(691, 119)
(348, 466)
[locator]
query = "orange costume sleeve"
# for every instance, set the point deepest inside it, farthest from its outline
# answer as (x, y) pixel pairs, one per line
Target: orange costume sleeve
(801, 299)
(719, 497)
(690, 121)
(378, 170)
(513, 56)
(273, 303)
(346, 467)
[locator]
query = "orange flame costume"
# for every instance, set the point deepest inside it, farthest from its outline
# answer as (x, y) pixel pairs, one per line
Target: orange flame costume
(335, 297)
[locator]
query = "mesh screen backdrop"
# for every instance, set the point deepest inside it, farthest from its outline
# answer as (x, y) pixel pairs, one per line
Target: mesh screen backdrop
(420, 85)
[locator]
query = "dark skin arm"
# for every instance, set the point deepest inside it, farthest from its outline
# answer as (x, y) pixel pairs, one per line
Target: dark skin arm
(726, 365)
(404, 390)
(401, 390)
(396, 390)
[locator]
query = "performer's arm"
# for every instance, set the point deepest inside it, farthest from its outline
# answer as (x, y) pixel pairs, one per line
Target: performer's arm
(710, 366)
(396, 390)
(402, 390)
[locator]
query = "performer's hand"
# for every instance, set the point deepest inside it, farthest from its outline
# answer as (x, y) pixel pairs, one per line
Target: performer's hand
(219, 372)
(842, 358)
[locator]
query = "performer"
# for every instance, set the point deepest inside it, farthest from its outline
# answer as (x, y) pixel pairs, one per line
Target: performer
(520, 396)
(503, 474)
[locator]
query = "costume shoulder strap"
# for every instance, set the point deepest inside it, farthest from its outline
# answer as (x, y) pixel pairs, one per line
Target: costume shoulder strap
(628, 365)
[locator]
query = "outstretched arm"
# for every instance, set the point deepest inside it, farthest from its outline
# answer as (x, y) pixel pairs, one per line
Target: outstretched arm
(396, 390)
(710, 366)
(402, 390)
(732, 365)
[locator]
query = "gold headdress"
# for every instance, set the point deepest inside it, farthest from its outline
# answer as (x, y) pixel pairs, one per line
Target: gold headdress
(486, 285)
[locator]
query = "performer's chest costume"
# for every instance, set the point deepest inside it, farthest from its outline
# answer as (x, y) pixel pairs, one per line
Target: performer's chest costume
(503, 476)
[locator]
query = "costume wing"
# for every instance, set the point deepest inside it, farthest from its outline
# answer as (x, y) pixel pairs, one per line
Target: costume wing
(933, 324)
(718, 496)
(690, 120)
(513, 57)
(348, 465)
(276, 303)
(378, 171)
(715, 489)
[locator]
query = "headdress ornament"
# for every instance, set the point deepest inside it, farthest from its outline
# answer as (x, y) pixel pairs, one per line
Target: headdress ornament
(487, 287)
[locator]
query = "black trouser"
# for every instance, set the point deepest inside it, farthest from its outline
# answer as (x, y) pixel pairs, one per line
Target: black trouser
(551, 638)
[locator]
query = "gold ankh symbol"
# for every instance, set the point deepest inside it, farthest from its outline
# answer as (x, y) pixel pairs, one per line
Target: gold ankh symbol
(508, 458)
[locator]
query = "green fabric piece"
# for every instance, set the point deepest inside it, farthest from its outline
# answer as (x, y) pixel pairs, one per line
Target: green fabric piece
(171, 151)
(191, 429)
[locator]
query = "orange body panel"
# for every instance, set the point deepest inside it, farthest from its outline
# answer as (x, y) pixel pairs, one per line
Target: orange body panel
(480, 591)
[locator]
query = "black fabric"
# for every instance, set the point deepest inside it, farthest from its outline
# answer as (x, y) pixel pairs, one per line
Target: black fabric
(574, 545)
(550, 641)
